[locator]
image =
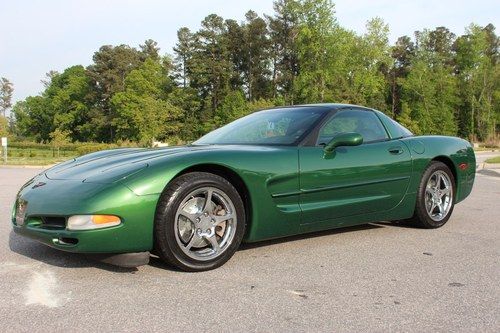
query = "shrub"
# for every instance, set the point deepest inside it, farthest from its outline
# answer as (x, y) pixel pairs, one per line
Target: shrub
(93, 147)
(40, 145)
(67, 149)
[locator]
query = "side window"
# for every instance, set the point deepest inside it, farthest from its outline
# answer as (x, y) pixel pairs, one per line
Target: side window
(395, 129)
(365, 123)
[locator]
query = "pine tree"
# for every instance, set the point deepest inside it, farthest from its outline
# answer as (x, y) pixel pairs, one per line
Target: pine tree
(183, 51)
(284, 29)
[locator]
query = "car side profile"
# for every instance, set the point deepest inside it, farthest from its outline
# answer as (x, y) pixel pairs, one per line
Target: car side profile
(271, 174)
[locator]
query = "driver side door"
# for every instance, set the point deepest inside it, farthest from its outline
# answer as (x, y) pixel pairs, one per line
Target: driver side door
(352, 180)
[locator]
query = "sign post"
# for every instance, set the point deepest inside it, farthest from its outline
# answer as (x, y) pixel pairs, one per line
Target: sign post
(4, 148)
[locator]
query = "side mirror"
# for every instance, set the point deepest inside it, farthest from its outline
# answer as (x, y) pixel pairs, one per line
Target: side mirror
(343, 139)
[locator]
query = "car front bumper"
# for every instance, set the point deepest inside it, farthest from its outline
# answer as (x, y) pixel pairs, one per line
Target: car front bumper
(60, 199)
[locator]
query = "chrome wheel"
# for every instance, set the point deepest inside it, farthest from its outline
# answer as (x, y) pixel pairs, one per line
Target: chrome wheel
(205, 223)
(438, 195)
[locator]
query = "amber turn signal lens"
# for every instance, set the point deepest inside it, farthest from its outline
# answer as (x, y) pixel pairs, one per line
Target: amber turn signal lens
(103, 219)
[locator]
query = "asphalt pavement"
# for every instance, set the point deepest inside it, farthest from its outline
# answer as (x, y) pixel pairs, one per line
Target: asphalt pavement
(379, 277)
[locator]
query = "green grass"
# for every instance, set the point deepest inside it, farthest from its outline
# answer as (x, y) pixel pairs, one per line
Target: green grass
(32, 156)
(493, 160)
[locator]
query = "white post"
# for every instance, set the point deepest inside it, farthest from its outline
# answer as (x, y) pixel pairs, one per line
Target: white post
(4, 146)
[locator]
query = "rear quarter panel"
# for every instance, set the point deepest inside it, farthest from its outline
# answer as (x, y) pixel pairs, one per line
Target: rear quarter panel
(450, 150)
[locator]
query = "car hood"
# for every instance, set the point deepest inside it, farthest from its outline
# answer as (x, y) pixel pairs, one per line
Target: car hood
(112, 165)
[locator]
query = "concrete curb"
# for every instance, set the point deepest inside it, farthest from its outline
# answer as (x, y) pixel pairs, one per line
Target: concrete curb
(489, 166)
(488, 169)
(486, 151)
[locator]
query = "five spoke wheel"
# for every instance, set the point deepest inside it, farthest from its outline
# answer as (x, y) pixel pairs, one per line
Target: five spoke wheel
(205, 223)
(438, 195)
(200, 221)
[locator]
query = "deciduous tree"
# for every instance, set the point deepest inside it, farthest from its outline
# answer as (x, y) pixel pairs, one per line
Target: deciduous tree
(6, 90)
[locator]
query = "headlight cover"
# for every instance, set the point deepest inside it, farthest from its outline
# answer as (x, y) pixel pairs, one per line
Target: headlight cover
(91, 222)
(20, 212)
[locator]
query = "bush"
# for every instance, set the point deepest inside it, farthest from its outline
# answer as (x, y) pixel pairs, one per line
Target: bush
(93, 147)
(69, 149)
(40, 145)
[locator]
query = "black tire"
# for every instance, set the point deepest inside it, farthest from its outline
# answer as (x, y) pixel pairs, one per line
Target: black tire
(421, 218)
(166, 244)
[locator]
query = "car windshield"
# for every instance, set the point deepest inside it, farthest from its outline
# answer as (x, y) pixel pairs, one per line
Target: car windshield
(285, 126)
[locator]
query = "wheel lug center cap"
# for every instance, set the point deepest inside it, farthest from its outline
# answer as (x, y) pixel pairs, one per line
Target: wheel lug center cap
(204, 222)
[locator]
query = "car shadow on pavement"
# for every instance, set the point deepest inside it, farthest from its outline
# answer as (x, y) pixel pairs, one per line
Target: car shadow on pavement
(398, 224)
(50, 256)
(158, 263)
(40, 252)
(249, 246)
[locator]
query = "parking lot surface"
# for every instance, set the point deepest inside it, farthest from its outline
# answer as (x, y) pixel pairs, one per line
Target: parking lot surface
(378, 277)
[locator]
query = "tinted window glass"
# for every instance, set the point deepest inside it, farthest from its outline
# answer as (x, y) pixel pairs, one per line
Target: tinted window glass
(395, 129)
(401, 131)
(279, 127)
(365, 123)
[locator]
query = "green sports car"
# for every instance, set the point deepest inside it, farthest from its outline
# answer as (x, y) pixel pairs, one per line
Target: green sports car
(271, 174)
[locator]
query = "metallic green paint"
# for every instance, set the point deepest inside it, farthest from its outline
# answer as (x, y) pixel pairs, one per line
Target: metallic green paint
(354, 180)
(343, 139)
(290, 189)
(63, 198)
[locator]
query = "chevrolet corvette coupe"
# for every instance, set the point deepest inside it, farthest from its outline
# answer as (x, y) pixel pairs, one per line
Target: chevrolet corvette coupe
(271, 174)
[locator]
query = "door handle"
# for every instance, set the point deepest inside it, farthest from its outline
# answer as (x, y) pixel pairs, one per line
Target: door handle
(396, 150)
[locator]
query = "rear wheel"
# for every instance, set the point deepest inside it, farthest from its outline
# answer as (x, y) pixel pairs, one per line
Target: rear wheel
(200, 222)
(435, 201)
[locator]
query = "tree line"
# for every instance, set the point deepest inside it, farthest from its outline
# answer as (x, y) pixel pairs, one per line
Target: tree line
(434, 82)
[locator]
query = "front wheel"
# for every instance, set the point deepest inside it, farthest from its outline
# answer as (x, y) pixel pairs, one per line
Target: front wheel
(200, 222)
(435, 201)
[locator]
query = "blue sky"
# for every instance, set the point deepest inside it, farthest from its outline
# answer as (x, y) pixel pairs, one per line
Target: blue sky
(41, 35)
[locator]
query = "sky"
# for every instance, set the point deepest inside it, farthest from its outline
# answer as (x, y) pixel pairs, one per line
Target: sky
(37, 36)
